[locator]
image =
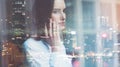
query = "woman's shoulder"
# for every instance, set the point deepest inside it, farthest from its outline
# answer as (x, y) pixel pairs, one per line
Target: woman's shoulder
(33, 42)
(29, 40)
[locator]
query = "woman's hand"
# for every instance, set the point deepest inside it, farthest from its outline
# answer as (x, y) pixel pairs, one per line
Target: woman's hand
(54, 34)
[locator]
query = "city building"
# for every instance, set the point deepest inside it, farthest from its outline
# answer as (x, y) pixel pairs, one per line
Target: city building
(14, 17)
(96, 23)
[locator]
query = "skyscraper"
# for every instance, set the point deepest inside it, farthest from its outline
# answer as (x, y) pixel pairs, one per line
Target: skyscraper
(16, 20)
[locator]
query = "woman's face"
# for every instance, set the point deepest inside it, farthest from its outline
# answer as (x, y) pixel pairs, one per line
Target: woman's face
(58, 16)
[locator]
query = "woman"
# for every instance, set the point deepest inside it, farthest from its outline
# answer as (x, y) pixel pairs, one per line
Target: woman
(45, 48)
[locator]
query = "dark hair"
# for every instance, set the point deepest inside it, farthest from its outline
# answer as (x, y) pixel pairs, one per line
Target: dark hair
(41, 11)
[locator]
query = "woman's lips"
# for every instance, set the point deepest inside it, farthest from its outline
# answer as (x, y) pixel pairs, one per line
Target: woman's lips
(62, 23)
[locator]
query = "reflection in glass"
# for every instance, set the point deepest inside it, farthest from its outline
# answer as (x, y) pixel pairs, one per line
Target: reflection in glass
(91, 37)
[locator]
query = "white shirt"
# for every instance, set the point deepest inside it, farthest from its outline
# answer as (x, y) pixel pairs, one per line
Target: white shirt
(40, 55)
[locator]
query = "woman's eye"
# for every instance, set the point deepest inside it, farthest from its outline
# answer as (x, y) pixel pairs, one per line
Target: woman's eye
(55, 11)
(58, 11)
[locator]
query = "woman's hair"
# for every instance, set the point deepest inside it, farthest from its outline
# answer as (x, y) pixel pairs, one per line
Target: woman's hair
(41, 11)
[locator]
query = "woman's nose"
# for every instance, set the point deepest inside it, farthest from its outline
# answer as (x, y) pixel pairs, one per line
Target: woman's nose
(63, 16)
